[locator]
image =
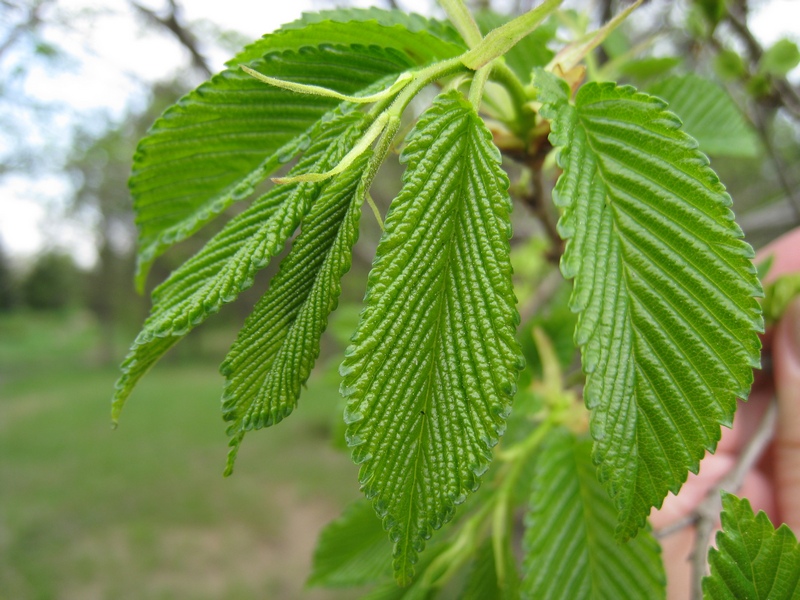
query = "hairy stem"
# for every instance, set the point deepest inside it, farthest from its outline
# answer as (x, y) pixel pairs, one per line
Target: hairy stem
(462, 20)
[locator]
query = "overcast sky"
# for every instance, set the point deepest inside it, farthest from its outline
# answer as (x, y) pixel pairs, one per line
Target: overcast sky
(113, 55)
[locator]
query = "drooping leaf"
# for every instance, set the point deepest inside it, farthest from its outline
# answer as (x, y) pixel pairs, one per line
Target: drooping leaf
(352, 550)
(276, 349)
(663, 283)
(752, 559)
(570, 550)
(430, 374)
(228, 263)
(220, 141)
(709, 115)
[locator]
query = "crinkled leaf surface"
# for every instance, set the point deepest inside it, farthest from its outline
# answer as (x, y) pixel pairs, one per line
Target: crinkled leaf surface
(430, 373)
(752, 559)
(352, 550)
(709, 115)
(276, 349)
(229, 262)
(221, 140)
(570, 550)
(413, 22)
(663, 283)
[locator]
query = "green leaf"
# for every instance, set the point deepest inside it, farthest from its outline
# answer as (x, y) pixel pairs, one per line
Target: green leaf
(780, 58)
(220, 141)
(352, 550)
(752, 559)
(569, 545)
(729, 65)
(664, 286)
(645, 68)
(276, 349)
(420, 39)
(482, 581)
(709, 115)
(430, 374)
(415, 23)
(778, 295)
(531, 51)
(228, 263)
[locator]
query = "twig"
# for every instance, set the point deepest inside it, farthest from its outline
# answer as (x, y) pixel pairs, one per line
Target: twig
(705, 515)
(784, 93)
(172, 22)
(777, 162)
(26, 25)
(544, 292)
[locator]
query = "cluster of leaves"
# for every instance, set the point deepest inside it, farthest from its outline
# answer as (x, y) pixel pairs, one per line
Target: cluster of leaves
(664, 292)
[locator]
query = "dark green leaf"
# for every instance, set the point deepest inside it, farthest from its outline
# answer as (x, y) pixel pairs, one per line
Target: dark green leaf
(570, 550)
(752, 560)
(430, 374)
(664, 285)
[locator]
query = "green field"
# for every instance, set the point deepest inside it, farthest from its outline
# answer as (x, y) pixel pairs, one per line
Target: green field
(143, 511)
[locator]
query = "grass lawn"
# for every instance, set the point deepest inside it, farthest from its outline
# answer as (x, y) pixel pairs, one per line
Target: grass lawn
(143, 511)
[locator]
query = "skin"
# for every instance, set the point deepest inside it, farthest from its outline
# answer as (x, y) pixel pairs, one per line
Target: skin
(774, 484)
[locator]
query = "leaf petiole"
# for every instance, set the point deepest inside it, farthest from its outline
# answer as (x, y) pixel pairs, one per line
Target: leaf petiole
(383, 121)
(365, 142)
(301, 88)
(499, 41)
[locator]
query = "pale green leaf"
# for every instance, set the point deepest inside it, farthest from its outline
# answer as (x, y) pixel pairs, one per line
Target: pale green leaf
(709, 115)
(352, 550)
(752, 560)
(482, 580)
(276, 349)
(664, 286)
(778, 295)
(229, 262)
(220, 141)
(780, 58)
(430, 374)
(570, 550)
(531, 51)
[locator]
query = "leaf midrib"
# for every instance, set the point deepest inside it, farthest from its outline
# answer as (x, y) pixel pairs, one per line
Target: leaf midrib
(438, 324)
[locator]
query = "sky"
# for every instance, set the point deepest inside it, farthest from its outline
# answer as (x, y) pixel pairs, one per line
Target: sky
(112, 59)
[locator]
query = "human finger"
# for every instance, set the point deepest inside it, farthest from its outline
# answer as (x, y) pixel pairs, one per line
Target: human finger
(786, 362)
